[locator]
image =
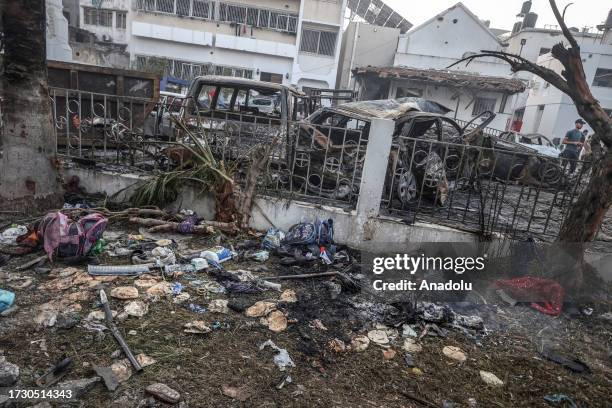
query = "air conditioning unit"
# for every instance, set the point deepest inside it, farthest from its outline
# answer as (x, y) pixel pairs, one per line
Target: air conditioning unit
(107, 38)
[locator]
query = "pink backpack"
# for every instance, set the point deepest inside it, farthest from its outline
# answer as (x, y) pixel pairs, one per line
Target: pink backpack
(66, 238)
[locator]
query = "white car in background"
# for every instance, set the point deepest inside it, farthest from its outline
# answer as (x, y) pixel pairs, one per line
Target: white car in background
(540, 143)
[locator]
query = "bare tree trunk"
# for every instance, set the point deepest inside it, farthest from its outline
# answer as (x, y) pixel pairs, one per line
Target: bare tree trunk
(28, 166)
(589, 210)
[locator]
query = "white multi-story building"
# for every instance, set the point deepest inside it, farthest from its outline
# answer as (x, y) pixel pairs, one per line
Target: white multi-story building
(286, 41)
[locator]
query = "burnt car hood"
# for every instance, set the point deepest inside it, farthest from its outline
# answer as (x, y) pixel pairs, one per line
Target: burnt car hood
(391, 108)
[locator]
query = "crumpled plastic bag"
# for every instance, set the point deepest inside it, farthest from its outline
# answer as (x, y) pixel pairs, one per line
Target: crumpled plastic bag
(9, 235)
(282, 358)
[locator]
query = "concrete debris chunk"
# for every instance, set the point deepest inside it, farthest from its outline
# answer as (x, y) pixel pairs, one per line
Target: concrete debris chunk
(237, 393)
(79, 387)
(136, 308)
(378, 336)
(261, 308)
(411, 345)
(454, 353)
(288, 296)
(124, 292)
(491, 379)
(360, 343)
(9, 372)
(197, 327)
(122, 370)
(276, 321)
(163, 393)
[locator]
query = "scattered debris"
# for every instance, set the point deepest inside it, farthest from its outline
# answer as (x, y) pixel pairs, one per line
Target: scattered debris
(389, 354)
(491, 379)
(109, 321)
(79, 387)
(409, 360)
(378, 337)
(408, 331)
(110, 380)
(163, 393)
(261, 308)
(136, 308)
(336, 345)
(282, 358)
(197, 327)
(276, 321)
(411, 345)
(124, 292)
(9, 373)
(55, 373)
(6, 299)
(237, 393)
(559, 400)
(288, 296)
(574, 365)
(454, 353)
(360, 343)
(218, 306)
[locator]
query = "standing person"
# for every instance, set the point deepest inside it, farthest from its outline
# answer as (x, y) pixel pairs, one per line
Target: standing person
(573, 141)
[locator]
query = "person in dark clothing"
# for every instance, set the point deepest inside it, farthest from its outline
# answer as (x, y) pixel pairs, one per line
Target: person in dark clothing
(573, 141)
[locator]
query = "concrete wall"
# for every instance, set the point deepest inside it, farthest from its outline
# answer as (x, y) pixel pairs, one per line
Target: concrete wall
(362, 228)
(58, 48)
(362, 45)
(323, 11)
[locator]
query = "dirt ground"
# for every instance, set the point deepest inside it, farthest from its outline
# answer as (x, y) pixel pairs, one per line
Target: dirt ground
(199, 366)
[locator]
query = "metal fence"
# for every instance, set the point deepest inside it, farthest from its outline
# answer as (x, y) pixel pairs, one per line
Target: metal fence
(100, 128)
(486, 190)
(324, 164)
(482, 189)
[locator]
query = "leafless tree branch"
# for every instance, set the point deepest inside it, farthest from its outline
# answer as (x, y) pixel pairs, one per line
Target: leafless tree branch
(566, 32)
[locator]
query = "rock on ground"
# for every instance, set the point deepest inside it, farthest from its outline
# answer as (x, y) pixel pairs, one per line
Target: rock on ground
(79, 387)
(163, 393)
(491, 379)
(9, 373)
(124, 292)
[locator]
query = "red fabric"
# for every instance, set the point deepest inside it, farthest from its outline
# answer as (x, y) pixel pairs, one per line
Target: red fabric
(548, 292)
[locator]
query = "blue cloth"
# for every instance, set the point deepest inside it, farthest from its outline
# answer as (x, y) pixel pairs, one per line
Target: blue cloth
(6, 299)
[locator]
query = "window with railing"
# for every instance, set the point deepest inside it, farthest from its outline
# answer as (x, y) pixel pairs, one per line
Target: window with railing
(221, 11)
(99, 17)
(482, 105)
(603, 78)
(121, 20)
(318, 41)
(188, 70)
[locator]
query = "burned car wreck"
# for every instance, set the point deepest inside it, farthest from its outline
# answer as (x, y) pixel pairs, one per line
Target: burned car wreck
(330, 148)
(235, 114)
(430, 153)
